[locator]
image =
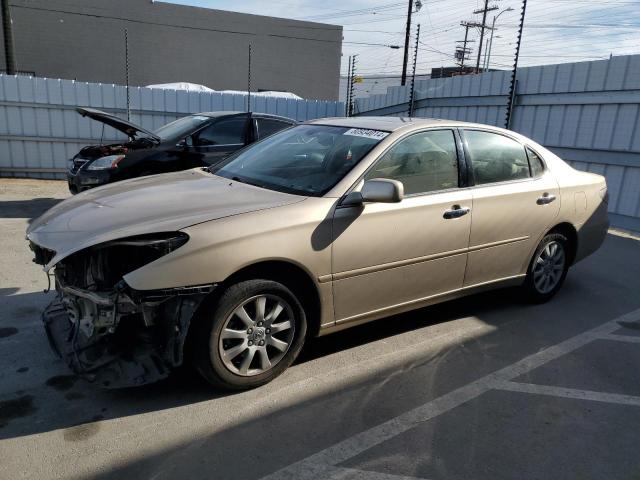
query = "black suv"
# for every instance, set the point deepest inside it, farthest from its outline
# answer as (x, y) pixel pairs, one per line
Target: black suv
(202, 139)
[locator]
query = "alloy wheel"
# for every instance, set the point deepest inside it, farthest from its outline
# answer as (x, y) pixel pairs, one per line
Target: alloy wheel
(549, 267)
(257, 335)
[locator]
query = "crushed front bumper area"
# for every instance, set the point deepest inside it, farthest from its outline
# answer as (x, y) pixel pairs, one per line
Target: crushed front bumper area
(124, 338)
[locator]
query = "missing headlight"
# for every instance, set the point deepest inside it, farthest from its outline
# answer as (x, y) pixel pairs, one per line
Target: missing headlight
(101, 267)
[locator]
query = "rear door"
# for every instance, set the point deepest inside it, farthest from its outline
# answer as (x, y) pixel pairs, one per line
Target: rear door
(514, 204)
(390, 255)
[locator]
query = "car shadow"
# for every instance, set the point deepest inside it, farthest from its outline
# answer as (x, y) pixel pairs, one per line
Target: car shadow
(38, 393)
(30, 209)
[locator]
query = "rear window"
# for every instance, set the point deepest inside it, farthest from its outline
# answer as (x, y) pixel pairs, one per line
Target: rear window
(269, 126)
(495, 157)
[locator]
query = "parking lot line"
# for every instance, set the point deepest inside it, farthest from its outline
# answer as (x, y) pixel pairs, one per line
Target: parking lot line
(312, 466)
(341, 473)
(619, 338)
(568, 393)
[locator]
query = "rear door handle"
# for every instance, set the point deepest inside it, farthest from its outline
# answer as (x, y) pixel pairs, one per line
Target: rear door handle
(545, 199)
(456, 212)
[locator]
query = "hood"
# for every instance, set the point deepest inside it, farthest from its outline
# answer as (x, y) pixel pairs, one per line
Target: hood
(159, 203)
(130, 129)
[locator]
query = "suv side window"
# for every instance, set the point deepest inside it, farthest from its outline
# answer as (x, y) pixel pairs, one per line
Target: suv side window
(228, 131)
(495, 158)
(424, 162)
(269, 126)
(535, 162)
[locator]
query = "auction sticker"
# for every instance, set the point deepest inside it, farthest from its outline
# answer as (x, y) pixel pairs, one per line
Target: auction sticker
(361, 132)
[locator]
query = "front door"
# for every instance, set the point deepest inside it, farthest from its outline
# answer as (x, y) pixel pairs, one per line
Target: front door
(515, 202)
(398, 254)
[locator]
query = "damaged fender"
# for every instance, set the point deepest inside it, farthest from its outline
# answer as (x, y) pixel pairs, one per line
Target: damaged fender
(108, 332)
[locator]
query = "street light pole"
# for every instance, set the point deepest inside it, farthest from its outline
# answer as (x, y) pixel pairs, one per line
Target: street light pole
(493, 28)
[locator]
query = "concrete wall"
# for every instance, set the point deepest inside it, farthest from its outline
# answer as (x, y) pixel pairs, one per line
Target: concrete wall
(84, 40)
(587, 113)
(40, 129)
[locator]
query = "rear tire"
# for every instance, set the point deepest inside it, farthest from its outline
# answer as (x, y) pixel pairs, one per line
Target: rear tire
(250, 335)
(548, 269)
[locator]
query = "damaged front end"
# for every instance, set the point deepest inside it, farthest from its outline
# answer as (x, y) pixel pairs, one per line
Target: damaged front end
(108, 332)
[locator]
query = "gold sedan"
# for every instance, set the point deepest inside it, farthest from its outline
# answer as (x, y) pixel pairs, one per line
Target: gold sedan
(317, 228)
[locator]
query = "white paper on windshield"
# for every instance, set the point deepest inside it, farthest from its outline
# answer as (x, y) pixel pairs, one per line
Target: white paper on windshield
(361, 132)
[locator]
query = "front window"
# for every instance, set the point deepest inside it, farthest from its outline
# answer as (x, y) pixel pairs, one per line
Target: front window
(304, 160)
(423, 162)
(178, 129)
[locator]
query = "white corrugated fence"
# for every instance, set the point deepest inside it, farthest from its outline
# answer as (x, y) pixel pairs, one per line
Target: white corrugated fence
(586, 112)
(40, 129)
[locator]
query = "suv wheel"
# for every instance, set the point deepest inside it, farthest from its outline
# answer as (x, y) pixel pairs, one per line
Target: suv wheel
(251, 335)
(548, 269)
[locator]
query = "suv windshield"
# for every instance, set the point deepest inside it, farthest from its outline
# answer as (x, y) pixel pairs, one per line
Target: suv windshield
(304, 160)
(177, 129)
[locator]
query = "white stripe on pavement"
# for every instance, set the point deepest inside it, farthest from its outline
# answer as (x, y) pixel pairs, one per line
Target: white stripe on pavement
(554, 391)
(321, 464)
(620, 338)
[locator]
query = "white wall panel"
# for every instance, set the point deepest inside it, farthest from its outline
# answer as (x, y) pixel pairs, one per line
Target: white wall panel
(588, 110)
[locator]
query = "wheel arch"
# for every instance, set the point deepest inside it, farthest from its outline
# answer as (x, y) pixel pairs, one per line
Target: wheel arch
(293, 276)
(570, 232)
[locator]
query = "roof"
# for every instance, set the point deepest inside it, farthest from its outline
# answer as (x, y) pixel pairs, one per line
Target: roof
(388, 124)
(231, 112)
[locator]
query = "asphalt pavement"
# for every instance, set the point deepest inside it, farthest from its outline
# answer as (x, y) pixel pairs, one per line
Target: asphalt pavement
(480, 388)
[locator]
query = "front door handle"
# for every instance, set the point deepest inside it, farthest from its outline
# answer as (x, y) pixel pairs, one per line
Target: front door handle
(545, 199)
(456, 212)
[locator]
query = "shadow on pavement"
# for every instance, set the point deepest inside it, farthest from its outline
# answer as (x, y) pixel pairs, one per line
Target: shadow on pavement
(601, 288)
(26, 208)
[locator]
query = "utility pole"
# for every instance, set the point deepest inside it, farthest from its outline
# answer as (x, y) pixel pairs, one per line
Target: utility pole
(407, 32)
(514, 72)
(483, 26)
(462, 52)
(403, 80)
(7, 28)
(413, 75)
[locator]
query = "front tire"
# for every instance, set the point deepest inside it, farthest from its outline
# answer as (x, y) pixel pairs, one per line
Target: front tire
(548, 269)
(252, 334)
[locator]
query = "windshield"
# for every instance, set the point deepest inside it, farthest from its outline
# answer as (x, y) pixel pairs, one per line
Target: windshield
(179, 128)
(304, 160)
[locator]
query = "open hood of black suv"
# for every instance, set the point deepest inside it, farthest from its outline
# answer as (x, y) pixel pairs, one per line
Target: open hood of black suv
(130, 129)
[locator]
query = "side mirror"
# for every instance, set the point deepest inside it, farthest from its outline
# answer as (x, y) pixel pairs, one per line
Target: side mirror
(377, 190)
(185, 143)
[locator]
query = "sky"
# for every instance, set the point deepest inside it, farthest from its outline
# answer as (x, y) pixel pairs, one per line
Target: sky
(556, 31)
